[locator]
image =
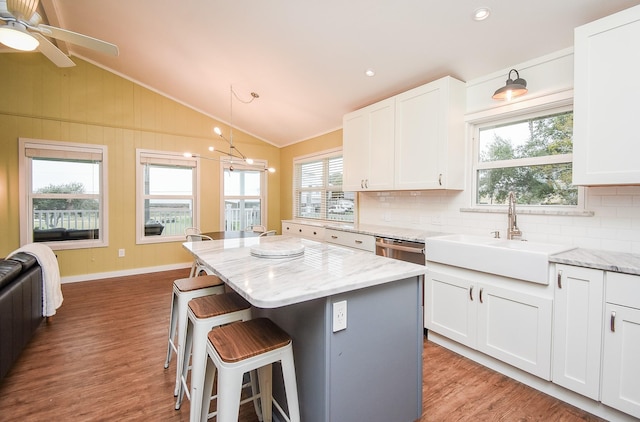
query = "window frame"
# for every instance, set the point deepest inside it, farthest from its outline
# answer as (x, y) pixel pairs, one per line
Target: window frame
(259, 166)
(518, 112)
(164, 158)
(324, 156)
(26, 189)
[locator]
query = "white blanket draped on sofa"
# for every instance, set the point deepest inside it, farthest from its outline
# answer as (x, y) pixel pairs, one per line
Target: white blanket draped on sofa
(51, 289)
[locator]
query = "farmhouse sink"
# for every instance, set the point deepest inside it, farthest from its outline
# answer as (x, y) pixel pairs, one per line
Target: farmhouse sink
(517, 259)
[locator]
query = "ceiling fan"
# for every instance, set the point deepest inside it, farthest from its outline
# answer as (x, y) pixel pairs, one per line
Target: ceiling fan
(21, 28)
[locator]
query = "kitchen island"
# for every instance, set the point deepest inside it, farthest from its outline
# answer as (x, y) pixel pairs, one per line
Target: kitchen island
(372, 370)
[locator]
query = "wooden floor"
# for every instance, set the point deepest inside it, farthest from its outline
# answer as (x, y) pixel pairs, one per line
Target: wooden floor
(102, 358)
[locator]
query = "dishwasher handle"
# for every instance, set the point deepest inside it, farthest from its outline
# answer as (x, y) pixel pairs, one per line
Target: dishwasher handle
(399, 247)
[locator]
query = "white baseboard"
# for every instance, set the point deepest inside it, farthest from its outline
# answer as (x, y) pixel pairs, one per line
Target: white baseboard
(123, 273)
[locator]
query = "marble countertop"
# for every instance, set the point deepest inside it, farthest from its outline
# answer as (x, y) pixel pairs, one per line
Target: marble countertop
(411, 235)
(322, 270)
(602, 260)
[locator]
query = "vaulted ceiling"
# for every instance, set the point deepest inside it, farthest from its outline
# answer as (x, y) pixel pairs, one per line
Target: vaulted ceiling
(307, 59)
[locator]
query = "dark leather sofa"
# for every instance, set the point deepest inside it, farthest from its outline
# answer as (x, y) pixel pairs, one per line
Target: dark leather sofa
(20, 306)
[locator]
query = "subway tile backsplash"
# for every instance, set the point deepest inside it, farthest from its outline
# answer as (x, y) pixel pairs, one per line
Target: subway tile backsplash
(614, 225)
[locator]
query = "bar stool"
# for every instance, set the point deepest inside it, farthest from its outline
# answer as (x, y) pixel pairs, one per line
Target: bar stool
(241, 347)
(185, 289)
(205, 313)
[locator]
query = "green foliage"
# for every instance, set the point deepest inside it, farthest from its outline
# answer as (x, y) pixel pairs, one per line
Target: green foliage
(63, 203)
(536, 185)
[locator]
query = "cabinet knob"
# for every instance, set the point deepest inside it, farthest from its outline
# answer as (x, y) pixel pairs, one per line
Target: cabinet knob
(560, 279)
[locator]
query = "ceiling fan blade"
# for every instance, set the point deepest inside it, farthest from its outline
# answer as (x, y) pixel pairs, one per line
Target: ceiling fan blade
(51, 51)
(79, 39)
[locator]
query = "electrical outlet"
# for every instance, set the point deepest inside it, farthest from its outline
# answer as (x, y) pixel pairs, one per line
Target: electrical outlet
(339, 316)
(120, 253)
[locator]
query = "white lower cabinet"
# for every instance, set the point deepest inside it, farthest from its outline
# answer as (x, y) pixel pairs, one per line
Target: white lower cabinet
(308, 231)
(498, 316)
(577, 329)
(621, 359)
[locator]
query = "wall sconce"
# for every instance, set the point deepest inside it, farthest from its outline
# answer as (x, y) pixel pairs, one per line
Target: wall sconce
(512, 89)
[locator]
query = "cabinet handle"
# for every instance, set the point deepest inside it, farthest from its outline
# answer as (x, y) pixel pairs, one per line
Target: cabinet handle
(471, 293)
(481, 289)
(560, 279)
(366, 183)
(358, 242)
(613, 321)
(362, 183)
(334, 236)
(440, 179)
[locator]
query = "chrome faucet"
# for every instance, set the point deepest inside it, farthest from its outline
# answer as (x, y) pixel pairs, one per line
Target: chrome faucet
(513, 232)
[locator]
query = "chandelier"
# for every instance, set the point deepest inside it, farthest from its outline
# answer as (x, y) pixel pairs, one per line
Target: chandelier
(234, 153)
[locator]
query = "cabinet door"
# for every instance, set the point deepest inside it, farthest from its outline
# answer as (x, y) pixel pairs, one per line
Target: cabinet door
(606, 142)
(430, 136)
(368, 147)
(621, 365)
(515, 328)
(450, 307)
(577, 329)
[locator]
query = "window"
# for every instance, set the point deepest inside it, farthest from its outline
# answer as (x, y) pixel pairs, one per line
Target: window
(167, 195)
(530, 155)
(317, 189)
(244, 197)
(64, 200)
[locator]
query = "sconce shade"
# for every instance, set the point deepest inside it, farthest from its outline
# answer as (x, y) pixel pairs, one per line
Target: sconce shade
(512, 88)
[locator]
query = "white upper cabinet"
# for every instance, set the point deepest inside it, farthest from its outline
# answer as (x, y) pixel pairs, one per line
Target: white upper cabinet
(369, 150)
(606, 143)
(430, 151)
(412, 141)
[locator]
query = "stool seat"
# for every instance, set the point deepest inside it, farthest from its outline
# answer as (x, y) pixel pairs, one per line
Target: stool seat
(211, 306)
(196, 283)
(236, 342)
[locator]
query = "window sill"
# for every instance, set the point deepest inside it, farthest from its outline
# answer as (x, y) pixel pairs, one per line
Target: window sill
(525, 211)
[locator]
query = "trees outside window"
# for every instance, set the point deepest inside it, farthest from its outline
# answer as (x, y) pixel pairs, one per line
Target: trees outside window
(531, 157)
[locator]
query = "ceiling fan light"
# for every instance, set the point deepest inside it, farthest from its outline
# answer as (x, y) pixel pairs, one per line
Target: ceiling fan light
(14, 35)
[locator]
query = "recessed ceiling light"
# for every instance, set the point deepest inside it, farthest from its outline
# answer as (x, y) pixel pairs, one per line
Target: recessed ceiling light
(481, 13)
(370, 72)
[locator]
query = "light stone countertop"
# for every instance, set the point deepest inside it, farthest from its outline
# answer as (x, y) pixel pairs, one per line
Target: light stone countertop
(323, 269)
(411, 235)
(601, 260)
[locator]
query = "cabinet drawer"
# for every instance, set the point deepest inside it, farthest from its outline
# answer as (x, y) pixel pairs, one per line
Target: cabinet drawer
(352, 240)
(623, 289)
(303, 230)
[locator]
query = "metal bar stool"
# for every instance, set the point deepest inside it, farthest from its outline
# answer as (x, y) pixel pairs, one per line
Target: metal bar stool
(242, 347)
(185, 289)
(205, 313)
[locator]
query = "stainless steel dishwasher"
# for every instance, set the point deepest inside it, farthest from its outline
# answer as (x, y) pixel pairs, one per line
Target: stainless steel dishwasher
(401, 249)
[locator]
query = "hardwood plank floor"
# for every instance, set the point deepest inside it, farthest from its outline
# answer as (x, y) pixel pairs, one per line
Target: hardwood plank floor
(102, 358)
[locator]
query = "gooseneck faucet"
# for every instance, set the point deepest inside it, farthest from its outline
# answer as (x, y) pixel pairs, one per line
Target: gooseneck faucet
(513, 232)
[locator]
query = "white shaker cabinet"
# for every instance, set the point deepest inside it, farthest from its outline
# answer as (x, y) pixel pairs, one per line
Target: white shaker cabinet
(412, 141)
(368, 147)
(621, 362)
(429, 138)
(501, 317)
(577, 329)
(606, 142)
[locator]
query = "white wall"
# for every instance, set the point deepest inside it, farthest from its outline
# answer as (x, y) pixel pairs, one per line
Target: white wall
(615, 221)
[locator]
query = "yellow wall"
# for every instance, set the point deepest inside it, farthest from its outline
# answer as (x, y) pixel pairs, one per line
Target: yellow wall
(89, 105)
(287, 154)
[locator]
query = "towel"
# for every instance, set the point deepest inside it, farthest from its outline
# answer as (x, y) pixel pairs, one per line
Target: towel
(51, 289)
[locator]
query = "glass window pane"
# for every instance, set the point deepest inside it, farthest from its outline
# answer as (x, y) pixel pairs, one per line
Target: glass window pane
(335, 172)
(162, 180)
(61, 176)
(312, 174)
(242, 183)
(310, 204)
(167, 217)
(339, 206)
(543, 136)
(533, 185)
